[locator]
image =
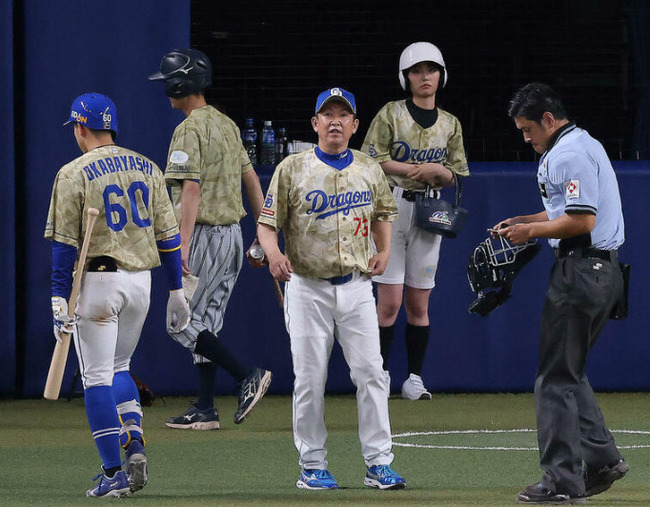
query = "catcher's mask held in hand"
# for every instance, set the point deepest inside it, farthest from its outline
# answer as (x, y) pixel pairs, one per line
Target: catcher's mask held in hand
(494, 264)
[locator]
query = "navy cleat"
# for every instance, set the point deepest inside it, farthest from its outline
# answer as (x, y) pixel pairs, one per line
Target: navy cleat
(195, 419)
(383, 477)
(251, 391)
(316, 479)
(136, 466)
(116, 486)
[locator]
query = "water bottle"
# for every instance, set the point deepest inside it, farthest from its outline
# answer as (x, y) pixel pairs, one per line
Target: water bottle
(249, 137)
(280, 145)
(268, 144)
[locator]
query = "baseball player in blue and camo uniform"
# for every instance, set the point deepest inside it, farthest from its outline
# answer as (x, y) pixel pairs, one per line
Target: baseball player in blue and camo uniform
(332, 202)
(135, 230)
(418, 144)
(206, 167)
(583, 221)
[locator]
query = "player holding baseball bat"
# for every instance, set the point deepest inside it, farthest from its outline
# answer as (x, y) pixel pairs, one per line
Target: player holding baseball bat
(65, 320)
(135, 231)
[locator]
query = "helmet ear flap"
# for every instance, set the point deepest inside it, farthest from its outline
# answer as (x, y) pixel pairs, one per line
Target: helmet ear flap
(402, 79)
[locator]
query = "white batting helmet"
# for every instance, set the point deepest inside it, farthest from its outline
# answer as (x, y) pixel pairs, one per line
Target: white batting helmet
(420, 52)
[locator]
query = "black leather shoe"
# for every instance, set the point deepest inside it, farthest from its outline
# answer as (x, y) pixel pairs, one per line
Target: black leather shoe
(538, 494)
(599, 480)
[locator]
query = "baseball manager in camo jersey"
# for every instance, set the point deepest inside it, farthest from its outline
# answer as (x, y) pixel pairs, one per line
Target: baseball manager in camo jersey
(417, 144)
(206, 167)
(330, 202)
(135, 230)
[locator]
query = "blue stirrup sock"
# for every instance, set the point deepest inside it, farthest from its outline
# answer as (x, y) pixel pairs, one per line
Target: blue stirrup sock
(104, 424)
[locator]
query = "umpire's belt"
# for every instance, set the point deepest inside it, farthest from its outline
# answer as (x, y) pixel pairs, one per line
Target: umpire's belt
(339, 280)
(587, 253)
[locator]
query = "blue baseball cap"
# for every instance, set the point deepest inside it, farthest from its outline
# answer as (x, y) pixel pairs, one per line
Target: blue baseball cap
(95, 111)
(336, 94)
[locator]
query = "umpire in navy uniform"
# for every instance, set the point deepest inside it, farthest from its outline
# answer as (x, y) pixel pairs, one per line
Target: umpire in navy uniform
(583, 222)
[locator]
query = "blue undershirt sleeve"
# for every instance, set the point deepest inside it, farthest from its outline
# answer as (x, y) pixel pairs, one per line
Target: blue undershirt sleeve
(63, 257)
(170, 257)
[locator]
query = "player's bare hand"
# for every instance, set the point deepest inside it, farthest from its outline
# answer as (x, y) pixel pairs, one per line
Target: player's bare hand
(280, 267)
(377, 263)
(185, 256)
(433, 174)
(517, 234)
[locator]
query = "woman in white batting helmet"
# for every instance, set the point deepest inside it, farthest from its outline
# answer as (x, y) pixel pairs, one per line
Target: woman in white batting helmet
(419, 146)
(420, 52)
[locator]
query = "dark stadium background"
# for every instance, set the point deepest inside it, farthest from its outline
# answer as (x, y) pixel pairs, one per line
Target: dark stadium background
(270, 60)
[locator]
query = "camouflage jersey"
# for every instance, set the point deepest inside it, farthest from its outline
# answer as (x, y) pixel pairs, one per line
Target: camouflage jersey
(326, 213)
(394, 134)
(207, 147)
(130, 193)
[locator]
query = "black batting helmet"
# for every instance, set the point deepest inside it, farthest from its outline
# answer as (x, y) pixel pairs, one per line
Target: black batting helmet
(184, 72)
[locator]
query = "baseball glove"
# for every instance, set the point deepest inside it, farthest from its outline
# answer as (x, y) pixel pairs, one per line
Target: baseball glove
(146, 394)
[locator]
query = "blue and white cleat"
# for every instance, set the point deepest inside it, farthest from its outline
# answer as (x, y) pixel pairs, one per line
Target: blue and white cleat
(316, 479)
(383, 477)
(116, 486)
(136, 466)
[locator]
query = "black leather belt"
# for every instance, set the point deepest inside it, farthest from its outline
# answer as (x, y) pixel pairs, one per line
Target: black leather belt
(587, 253)
(103, 263)
(339, 280)
(409, 195)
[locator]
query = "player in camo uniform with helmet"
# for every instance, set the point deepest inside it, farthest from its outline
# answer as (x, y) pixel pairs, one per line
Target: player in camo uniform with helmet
(206, 166)
(330, 202)
(418, 145)
(135, 229)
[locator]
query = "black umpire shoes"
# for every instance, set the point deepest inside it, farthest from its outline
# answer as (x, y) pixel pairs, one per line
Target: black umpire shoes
(599, 480)
(538, 494)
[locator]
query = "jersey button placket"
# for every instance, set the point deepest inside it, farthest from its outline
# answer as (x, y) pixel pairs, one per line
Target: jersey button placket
(340, 185)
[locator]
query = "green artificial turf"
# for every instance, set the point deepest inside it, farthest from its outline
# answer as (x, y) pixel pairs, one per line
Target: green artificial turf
(49, 458)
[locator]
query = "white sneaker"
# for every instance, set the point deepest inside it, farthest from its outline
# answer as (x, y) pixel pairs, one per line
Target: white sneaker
(413, 389)
(387, 382)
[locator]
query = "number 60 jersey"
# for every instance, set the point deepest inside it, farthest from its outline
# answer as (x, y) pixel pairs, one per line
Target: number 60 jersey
(134, 207)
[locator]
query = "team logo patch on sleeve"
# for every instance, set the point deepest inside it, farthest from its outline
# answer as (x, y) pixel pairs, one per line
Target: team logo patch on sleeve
(178, 157)
(572, 189)
(268, 204)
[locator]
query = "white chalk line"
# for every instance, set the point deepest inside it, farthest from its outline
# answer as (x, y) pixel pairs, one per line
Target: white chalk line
(493, 448)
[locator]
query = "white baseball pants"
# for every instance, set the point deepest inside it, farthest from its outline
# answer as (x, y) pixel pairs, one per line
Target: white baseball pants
(315, 313)
(414, 252)
(112, 308)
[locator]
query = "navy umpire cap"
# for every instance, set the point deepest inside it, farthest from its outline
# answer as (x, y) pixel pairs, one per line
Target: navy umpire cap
(336, 94)
(95, 111)
(184, 72)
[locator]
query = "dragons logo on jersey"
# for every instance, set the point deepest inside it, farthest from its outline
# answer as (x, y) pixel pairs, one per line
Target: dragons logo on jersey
(401, 151)
(325, 205)
(268, 204)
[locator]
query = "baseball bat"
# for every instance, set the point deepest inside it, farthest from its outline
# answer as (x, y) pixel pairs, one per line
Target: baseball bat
(60, 354)
(278, 292)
